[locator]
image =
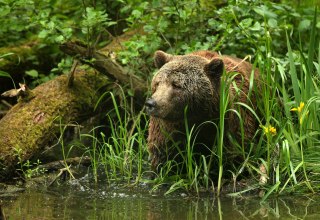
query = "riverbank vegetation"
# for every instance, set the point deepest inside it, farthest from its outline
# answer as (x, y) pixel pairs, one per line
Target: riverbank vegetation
(280, 39)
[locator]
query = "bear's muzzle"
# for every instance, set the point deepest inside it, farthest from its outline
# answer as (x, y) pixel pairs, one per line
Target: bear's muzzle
(150, 106)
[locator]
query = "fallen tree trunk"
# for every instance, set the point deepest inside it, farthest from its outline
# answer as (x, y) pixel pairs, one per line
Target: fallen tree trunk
(32, 123)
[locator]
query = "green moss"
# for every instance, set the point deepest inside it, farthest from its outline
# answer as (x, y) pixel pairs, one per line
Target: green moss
(29, 125)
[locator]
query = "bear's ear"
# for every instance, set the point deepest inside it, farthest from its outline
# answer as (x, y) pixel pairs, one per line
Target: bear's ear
(214, 68)
(161, 58)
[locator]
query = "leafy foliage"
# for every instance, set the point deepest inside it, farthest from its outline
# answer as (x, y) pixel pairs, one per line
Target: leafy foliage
(244, 25)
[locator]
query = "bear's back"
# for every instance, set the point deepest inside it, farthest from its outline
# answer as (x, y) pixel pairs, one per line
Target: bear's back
(205, 53)
(232, 64)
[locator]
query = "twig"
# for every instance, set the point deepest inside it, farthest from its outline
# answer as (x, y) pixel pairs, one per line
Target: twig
(71, 74)
(2, 214)
(6, 103)
(60, 164)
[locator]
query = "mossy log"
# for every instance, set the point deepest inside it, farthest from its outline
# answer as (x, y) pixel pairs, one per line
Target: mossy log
(33, 122)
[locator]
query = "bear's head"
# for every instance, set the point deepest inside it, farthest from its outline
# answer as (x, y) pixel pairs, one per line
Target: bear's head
(184, 82)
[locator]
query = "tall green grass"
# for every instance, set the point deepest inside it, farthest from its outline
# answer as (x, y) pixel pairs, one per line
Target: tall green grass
(290, 103)
(119, 152)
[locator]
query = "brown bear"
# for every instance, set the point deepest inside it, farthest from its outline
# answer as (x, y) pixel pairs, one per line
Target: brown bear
(187, 88)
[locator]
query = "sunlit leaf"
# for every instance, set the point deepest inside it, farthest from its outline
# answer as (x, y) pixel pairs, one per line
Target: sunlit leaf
(304, 24)
(32, 73)
(4, 10)
(4, 74)
(265, 12)
(272, 23)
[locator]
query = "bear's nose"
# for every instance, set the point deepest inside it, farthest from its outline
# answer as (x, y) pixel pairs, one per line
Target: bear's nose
(150, 105)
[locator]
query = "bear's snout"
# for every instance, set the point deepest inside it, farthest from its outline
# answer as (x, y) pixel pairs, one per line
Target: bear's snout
(150, 105)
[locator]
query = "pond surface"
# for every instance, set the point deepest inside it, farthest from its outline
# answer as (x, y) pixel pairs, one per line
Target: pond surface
(81, 201)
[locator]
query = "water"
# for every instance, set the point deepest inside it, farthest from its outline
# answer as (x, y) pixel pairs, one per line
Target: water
(84, 201)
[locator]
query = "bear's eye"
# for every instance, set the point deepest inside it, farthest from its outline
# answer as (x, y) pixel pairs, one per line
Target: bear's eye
(155, 84)
(154, 87)
(176, 85)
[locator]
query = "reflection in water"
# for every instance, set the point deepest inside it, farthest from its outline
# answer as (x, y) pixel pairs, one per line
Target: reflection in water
(80, 203)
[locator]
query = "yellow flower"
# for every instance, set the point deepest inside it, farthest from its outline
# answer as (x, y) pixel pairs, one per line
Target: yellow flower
(299, 109)
(269, 130)
(272, 130)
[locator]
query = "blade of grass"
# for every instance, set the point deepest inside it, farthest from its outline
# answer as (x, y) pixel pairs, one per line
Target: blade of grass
(293, 73)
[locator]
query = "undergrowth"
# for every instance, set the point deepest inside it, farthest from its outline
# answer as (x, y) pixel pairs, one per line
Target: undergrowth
(285, 153)
(281, 41)
(287, 141)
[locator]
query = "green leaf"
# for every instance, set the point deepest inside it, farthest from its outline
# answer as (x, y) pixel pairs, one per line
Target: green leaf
(43, 34)
(4, 74)
(32, 73)
(60, 39)
(246, 23)
(130, 92)
(6, 55)
(264, 11)
(4, 10)
(304, 24)
(272, 23)
(256, 27)
(110, 23)
(293, 73)
(148, 28)
(92, 19)
(136, 13)
(212, 22)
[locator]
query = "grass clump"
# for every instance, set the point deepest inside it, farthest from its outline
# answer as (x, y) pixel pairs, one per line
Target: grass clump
(122, 153)
(290, 99)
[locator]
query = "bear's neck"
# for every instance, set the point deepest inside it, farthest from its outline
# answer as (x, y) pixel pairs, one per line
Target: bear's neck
(205, 131)
(179, 126)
